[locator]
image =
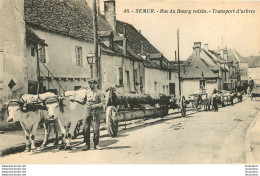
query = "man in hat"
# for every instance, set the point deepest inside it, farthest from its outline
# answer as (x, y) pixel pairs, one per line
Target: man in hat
(95, 102)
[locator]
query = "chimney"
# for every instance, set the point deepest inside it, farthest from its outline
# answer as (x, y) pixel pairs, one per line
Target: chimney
(206, 47)
(221, 52)
(197, 44)
(225, 54)
(218, 55)
(98, 7)
(142, 48)
(124, 41)
(110, 13)
(196, 49)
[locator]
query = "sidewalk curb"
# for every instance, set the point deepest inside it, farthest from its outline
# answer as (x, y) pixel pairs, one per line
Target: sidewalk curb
(248, 150)
(21, 147)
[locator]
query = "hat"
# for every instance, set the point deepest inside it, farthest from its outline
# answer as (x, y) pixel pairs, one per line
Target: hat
(92, 81)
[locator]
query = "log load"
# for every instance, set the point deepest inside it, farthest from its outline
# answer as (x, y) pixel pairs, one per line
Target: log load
(136, 100)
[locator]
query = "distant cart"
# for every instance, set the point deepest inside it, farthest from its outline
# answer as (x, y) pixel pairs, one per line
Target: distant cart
(199, 99)
(255, 92)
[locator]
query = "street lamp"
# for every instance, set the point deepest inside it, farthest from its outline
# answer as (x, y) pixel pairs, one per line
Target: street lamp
(91, 61)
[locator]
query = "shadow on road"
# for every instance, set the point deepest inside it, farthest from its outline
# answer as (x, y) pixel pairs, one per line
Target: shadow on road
(116, 147)
(160, 121)
(103, 144)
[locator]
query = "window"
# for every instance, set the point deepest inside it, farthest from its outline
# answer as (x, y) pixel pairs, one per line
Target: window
(111, 42)
(32, 87)
(1, 67)
(167, 90)
(170, 75)
(155, 87)
(202, 84)
(135, 76)
(172, 88)
(32, 51)
(42, 54)
(163, 89)
(141, 84)
(120, 76)
(78, 51)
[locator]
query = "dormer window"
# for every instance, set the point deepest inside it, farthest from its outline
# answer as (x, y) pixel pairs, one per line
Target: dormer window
(111, 42)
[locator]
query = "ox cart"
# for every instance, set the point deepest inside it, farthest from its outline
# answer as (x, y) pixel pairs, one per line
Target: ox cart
(226, 97)
(255, 92)
(199, 99)
(122, 107)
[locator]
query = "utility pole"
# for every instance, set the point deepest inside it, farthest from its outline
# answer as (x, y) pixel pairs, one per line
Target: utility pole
(38, 70)
(179, 74)
(95, 35)
(175, 56)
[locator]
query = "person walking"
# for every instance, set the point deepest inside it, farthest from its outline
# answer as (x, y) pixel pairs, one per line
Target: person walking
(95, 102)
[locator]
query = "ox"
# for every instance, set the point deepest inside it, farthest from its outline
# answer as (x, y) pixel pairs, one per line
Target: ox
(29, 112)
(202, 99)
(227, 98)
(69, 109)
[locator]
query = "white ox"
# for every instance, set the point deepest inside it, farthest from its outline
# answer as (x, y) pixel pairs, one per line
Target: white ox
(29, 118)
(69, 110)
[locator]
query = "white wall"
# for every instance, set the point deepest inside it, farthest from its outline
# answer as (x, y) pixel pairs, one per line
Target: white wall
(254, 73)
(193, 86)
(153, 75)
(12, 52)
(61, 61)
(244, 71)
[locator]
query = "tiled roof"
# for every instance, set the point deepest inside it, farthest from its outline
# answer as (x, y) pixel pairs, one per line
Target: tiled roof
(150, 64)
(135, 39)
(242, 59)
(74, 18)
(69, 17)
(104, 33)
(232, 56)
(253, 61)
(32, 37)
(156, 56)
(196, 68)
(218, 60)
(54, 15)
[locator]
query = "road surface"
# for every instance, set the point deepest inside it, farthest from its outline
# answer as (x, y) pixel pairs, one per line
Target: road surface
(201, 137)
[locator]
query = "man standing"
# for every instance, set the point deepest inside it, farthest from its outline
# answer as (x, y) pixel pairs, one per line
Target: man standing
(215, 100)
(251, 83)
(95, 102)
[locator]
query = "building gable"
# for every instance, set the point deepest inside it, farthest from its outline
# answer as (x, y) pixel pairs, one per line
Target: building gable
(196, 68)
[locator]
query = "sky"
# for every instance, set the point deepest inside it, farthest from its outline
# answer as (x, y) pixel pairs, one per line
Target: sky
(235, 30)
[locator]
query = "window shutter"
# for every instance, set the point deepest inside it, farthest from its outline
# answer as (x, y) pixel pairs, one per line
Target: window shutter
(76, 55)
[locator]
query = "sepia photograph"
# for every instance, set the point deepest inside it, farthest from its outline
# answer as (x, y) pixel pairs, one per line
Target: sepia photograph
(129, 82)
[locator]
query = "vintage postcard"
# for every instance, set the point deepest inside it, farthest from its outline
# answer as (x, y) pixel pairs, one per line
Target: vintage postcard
(129, 82)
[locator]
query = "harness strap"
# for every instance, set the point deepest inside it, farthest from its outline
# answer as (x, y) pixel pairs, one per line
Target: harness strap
(82, 103)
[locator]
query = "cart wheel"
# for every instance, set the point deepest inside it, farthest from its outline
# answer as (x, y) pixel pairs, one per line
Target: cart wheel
(183, 106)
(77, 130)
(112, 121)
